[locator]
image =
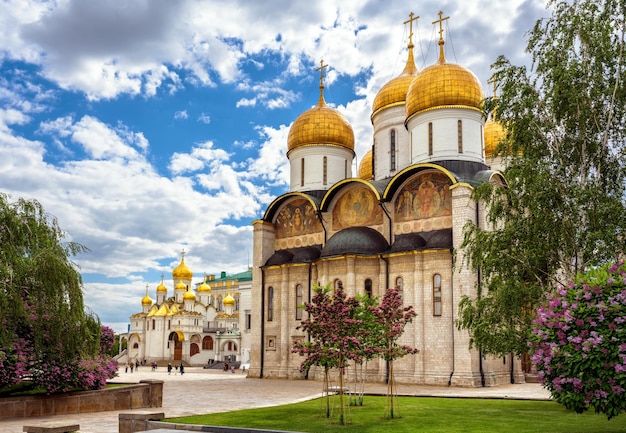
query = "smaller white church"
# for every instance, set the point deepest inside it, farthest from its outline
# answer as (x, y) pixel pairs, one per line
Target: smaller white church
(206, 324)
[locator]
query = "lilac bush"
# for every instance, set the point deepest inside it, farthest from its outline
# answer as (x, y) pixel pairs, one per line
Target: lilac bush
(579, 342)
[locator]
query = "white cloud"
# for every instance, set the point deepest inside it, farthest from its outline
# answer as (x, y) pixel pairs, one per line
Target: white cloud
(181, 115)
(204, 118)
(245, 102)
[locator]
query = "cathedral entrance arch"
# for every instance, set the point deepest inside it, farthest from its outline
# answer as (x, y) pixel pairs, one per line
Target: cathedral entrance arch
(176, 339)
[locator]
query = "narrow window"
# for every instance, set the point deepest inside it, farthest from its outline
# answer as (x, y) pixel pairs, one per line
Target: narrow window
(374, 160)
(368, 288)
(236, 303)
(430, 138)
(248, 321)
(169, 325)
(270, 304)
(392, 161)
(436, 295)
(153, 324)
(400, 287)
(325, 171)
(460, 135)
(345, 169)
(299, 302)
(302, 172)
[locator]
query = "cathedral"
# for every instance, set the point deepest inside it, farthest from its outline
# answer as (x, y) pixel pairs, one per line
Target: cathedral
(208, 326)
(398, 222)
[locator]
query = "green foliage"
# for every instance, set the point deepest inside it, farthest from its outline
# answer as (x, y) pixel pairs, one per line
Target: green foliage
(46, 334)
(563, 209)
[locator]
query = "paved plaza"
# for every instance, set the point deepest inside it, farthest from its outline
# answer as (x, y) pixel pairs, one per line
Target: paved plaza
(201, 391)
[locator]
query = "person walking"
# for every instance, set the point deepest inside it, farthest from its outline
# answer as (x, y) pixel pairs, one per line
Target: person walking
(169, 368)
(182, 369)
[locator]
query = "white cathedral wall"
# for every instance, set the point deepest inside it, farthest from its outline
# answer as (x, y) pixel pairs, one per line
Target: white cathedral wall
(445, 135)
(383, 122)
(339, 166)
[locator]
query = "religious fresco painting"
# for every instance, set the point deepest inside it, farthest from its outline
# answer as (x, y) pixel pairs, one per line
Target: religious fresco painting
(297, 218)
(357, 207)
(423, 197)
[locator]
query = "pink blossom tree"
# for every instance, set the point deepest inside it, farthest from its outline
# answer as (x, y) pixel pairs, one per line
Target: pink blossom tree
(392, 317)
(579, 342)
(333, 328)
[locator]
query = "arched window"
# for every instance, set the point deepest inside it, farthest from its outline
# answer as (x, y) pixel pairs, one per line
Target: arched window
(436, 295)
(400, 287)
(193, 349)
(460, 135)
(430, 138)
(207, 343)
(153, 324)
(325, 171)
(220, 307)
(368, 288)
(392, 151)
(270, 304)
(136, 346)
(299, 305)
(302, 172)
(337, 284)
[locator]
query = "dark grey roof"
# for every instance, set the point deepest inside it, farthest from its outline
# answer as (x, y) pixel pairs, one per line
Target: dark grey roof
(435, 239)
(355, 240)
(295, 255)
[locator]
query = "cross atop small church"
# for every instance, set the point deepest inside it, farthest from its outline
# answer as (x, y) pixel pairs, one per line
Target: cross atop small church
(182, 253)
(412, 17)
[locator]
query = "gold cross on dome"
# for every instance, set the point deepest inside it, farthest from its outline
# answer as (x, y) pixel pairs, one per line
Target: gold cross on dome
(321, 69)
(182, 253)
(440, 21)
(493, 80)
(412, 17)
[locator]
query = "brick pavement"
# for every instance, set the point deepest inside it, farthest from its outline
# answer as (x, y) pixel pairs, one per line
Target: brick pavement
(201, 391)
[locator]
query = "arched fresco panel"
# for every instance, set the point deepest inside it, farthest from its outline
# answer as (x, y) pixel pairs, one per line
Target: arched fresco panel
(424, 203)
(357, 207)
(297, 225)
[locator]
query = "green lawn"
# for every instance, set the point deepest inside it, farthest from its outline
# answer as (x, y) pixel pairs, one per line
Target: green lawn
(419, 414)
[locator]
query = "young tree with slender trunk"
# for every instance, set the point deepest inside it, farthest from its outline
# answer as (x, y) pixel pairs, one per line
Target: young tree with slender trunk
(392, 317)
(333, 328)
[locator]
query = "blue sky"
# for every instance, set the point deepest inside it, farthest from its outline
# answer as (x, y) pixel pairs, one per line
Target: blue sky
(149, 126)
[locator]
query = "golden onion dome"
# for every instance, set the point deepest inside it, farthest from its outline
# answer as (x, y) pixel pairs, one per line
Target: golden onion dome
(161, 287)
(146, 300)
(320, 125)
(181, 286)
(443, 85)
(204, 287)
(365, 168)
(189, 296)
(229, 300)
(394, 92)
(182, 271)
(494, 132)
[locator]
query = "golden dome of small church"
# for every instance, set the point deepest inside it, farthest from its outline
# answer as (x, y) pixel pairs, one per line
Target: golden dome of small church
(398, 222)
(208, 326)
